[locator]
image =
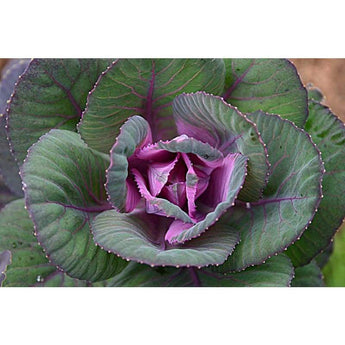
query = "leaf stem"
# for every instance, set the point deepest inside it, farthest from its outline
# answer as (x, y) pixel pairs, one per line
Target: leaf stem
(194, 276)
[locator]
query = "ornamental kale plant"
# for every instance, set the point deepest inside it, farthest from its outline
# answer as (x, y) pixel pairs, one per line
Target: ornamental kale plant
(166, 172)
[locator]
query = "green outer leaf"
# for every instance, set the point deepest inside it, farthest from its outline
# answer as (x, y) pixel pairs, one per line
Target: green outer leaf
(60, 279)
(50, 94)
(290, 199)
(276, 272)
(5, 194)
(328, 133)
(134, 133)
(334, 271)
(141, 275)
(144, 87)
(308, 276)
(322, 258)
(8, 166)
(209, 119)
(64, 189)
(16, 235)
(5, 260)
(131, 238)
(270, 85)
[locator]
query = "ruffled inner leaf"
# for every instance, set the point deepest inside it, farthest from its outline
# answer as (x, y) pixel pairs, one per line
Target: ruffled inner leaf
(209, 119)
(135, 134)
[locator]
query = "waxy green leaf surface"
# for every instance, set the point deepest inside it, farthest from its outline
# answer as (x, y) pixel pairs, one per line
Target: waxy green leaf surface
(209, 119)
(16, 236)
(8, 166)
(134, 237)
(291, 197)
(270, 85)
(50, 94)
(144, 87)
(276, 272)
(308, 276)
(64, 190)
(328, 133)
(134, 134)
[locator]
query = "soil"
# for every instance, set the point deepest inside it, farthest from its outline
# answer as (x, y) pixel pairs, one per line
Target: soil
(329, 76)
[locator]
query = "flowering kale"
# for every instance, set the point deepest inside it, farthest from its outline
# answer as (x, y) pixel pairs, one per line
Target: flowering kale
(166, 172)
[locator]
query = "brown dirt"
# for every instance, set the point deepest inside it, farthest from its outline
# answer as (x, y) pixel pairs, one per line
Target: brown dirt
(329, 76)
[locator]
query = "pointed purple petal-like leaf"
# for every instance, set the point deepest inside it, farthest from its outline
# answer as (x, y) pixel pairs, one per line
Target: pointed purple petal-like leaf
(233, 187)
(158, 174)
(176, 193)
(159, 206)
(191, 186)
(176, 228)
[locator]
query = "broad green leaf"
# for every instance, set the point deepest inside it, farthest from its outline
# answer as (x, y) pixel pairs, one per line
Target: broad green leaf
(50, 94)
(134, 237)
(209, 119)
(328, 133)
(322, 258)
(334, 271)
(28, 265)
(5, 194)
(144, 87)
(8, 166)
(28, 260)
(290, 199)
(5, 260)
(63, 183)
(141, 275)
(270, 85)
(308, 276)
(60, 279)
(276, 272)
(134, 134)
